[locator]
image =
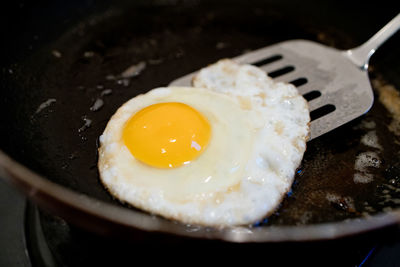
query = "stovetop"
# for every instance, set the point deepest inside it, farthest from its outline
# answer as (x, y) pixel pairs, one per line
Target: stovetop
(31, 237)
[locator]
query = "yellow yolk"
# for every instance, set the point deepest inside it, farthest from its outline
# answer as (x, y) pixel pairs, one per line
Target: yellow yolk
(167, 135)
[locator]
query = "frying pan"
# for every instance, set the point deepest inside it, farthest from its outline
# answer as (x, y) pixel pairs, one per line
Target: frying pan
(61, 57)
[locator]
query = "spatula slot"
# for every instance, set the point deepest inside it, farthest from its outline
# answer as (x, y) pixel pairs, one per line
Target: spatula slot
(312, 95)
(281, 71)
(322, 111)
(299, 82)
(267, 60)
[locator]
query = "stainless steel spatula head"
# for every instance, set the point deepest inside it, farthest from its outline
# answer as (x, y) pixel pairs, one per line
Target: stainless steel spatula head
(335, 83)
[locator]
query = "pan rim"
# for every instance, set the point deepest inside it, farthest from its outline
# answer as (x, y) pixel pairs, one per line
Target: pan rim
(41, 190)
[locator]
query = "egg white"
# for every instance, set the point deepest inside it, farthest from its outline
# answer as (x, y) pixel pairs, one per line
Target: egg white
(259, 130)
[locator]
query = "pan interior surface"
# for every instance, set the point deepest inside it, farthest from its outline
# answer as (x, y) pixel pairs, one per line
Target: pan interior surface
(57, 101)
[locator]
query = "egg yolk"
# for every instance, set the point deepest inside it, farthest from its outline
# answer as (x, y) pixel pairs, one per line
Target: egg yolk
(167, 135)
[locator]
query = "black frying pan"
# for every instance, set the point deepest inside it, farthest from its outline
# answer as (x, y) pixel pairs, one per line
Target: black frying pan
(69, 51)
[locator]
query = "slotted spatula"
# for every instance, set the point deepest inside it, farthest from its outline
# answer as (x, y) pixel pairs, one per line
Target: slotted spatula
(335, 83)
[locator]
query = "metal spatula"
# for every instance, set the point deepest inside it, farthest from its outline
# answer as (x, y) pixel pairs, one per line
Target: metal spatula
(335, 83)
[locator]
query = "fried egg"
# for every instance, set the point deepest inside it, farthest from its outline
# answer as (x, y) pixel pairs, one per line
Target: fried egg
(221, 153)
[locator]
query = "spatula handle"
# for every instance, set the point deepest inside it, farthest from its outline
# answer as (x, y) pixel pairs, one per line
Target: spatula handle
(360, 55)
